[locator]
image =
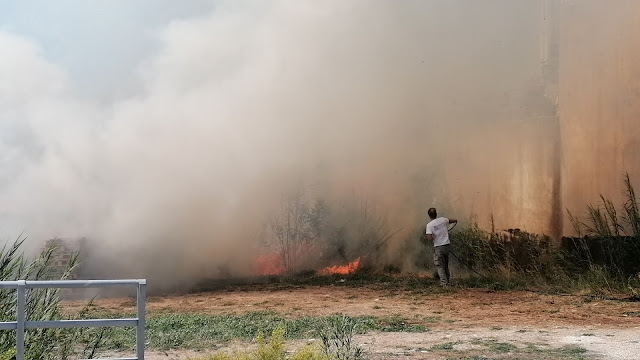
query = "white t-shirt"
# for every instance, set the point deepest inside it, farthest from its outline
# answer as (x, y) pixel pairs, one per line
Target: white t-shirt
(439, 228)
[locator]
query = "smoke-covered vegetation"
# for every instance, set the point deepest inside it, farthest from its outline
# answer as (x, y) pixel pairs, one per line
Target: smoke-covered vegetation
(310, 234)
(608, 242)
(603, 257)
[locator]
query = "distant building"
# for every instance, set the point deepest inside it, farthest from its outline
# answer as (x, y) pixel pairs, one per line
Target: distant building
(64, 250)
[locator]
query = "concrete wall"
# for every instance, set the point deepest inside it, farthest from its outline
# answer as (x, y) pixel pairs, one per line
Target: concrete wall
(566, 134)
(569, 135)
(599, 95)
(508, 167)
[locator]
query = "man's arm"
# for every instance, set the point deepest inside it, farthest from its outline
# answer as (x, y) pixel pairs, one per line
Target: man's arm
(452, 221)
(429, 233)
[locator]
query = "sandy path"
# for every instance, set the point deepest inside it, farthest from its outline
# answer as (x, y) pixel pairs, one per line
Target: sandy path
(471, 306)
(608, 329)
(601, 343)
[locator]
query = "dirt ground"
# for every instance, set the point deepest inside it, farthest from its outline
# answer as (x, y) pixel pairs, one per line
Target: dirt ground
(460, 319)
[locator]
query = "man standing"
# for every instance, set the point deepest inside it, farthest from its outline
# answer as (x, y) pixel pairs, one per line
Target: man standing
(438, 232)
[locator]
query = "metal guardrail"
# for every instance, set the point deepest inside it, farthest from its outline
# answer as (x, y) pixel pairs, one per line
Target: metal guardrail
(21, 325)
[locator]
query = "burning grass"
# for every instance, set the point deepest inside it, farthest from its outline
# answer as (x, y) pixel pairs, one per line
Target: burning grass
(269, 265)
(312, 236)
(341, 270)
(605, 260)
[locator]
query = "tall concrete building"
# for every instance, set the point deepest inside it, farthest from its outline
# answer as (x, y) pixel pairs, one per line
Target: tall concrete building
(570, 130)
(510, 177)
(599, 99)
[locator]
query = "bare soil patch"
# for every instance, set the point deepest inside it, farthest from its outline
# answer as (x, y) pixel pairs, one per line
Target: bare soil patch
(465, 307)
(463, 323)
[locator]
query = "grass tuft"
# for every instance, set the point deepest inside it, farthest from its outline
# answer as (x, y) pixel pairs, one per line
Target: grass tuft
(198, 331)
(445, 346)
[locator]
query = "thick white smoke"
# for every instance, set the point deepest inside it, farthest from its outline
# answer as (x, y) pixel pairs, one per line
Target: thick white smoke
(243, 104)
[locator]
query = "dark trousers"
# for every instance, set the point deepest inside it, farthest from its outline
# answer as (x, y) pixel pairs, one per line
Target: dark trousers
(441, 259)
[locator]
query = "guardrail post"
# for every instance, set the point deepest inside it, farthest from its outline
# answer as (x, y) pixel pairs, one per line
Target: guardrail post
(21, 324)
(20, 318)
(140, 330)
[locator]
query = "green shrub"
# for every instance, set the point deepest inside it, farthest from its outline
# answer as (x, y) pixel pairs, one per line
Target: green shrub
(337, 339)
(8, 355)
(337, 343)
(204, 331)
(274, 349)
(42, 305)
(271, 350)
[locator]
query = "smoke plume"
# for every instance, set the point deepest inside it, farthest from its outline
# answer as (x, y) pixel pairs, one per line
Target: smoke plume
(405, 104)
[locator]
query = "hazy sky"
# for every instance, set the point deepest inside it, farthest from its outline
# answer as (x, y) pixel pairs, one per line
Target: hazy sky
(99, 44)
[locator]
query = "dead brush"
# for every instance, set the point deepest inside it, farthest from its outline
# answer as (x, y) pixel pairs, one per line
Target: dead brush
(608, 239)
(602, 257)
(513, 255)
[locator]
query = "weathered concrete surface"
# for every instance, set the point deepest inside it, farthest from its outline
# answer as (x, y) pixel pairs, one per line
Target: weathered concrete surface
(567, 133)
(599, 97)
(505, 172)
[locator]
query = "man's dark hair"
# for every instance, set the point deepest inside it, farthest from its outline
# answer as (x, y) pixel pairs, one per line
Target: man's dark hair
(432, 213)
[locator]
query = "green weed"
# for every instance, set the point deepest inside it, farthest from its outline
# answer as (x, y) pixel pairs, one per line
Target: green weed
(273, 349)
(501, 347)
(445, 346)
(196, 331)
(337, 339)
(336, 344)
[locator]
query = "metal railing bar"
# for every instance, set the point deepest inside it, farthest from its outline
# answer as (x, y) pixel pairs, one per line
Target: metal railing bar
(71, 324)
(71, 283)
(141, 300)
(82, 283)
(81, 323)
(20, 319)
(9, 284)
(21, 325)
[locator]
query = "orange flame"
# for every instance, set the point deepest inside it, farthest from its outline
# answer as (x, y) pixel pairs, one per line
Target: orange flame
(268, 264)
(342, 270)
